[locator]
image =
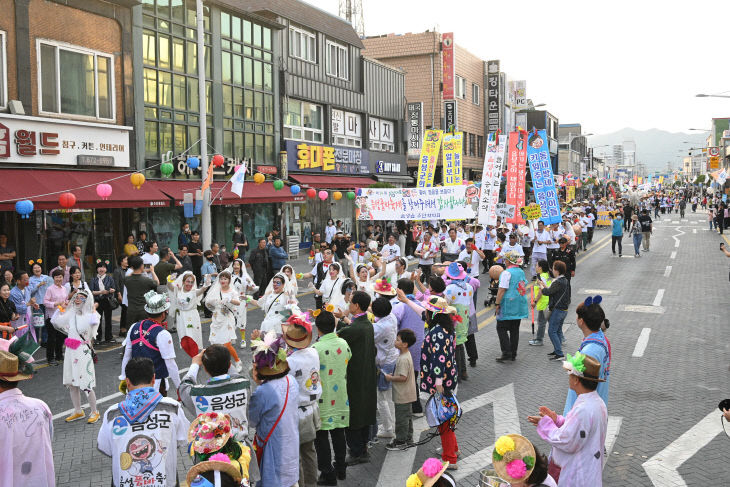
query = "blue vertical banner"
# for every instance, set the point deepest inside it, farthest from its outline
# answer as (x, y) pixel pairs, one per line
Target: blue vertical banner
(543, 180)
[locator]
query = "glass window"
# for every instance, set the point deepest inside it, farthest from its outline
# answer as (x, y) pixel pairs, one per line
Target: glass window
(164, 55)
(178, 92)
(248, 72)
(150, 86)
(268, 77)
(236, 29)
(269, 148)
(192, 57)
(256, 35)
(148, 48)
(166, 143)
(227, 101)
(475, 91)
(247, 32)
(75, 82)
(238, 145)
(249, 147)
(259, 106)
(460, 87)
(178, 55)
(238, 102)
(260, 156)
(303, 121)
(225, 25)
(301, 44)
(248, 104)
(338, 64)
(193, 98)
(266, 34)
(269, 108)
(178, 10)
(257, 75)
(237, 69)
(228, 142)
(181, 138)
(150, 138)
(164, 86)
(226, 66)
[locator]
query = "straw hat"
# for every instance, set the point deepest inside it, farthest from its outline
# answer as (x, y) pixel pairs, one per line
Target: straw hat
(384, 287)
(269, 354)
(437, 304)
(209, 432)
(156, 303)
(218, 464)
(428, 474)
(513, 258)
(513, 458)
(583, 366)
(297, 331)
(9, 368)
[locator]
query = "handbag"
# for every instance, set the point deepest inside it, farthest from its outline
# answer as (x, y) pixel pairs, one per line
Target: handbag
(113, 302)
(258, 444)
(441, 408)
(38, 318)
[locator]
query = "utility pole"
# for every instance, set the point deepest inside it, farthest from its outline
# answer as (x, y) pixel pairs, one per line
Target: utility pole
(206, 233)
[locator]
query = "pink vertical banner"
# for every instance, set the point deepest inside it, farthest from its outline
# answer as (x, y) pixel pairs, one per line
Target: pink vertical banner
(517, 157)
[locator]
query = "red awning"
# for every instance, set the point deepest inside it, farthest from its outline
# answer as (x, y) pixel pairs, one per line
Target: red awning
(333, 182)
(252, 192)
(35, 184)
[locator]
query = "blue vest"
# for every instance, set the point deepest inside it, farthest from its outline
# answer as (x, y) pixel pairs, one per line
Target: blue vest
(145, 345)
(513, 305)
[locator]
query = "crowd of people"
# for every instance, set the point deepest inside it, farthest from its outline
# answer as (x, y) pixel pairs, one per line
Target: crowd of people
(329, 382)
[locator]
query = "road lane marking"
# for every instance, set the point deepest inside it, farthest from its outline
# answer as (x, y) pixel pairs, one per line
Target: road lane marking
(658, 299)
(641, 308)
(663, 468)
(614, 425)
(676, 240)
(667, 271)
(641, 343)
(674, 255)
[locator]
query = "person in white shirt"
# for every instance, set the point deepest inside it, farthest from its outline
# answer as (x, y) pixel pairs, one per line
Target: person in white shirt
(451, 247)
(425, 251)
(555, 233)
(539, 251)
(391, 250)
(584, 223)
(490, 240)
(512, 245)
(444, 233)
(473, 256)
(526, 237)
(569, 232)
(329, 231)
(591, 223)
(150, 255)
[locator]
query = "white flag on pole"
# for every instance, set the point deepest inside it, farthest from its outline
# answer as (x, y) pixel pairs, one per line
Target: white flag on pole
(238, 179)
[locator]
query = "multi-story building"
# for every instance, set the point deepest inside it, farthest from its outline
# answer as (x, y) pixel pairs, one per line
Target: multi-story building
(438, 97)
(573, 150)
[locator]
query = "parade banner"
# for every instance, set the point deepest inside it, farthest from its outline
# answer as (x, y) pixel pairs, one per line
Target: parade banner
(442, 203)
(429, 157)
(491, 179)
(604, 219)
(543, 182)
(516, 174)
(452, 148)
(531, 211)
(613, 191)
(570, 193)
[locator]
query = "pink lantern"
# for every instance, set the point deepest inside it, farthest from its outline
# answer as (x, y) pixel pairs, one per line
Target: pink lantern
(323, 195)
(104, 191)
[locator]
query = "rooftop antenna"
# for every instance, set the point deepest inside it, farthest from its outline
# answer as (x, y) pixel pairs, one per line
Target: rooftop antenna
(351, 10)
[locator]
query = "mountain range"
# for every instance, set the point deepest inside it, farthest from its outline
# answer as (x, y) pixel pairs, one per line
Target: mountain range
(654, 147)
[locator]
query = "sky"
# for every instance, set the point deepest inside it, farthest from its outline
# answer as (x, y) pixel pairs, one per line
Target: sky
(606, 65)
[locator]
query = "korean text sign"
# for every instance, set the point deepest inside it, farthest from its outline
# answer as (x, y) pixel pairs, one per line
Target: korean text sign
(429, 156)
(452, 158)
(543, 182)
(491, 179)
(437, 203)
(516, 174)
(305, 157)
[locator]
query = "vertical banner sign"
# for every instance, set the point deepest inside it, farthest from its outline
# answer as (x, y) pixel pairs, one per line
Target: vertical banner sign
(543, 182)
(516, 174)
(450, 115)
(569, 191)
(452, 158)
(491, 179)
(494, 121)
(447, 61)
(429, 156)
(415, 127)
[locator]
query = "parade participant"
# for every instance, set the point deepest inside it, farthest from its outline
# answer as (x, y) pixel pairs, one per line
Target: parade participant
(511, 306)
(292, 287)
(26, 431)
(219, 471)
(102, 288)
(555, 233)
(539, 252)
(459, 294)
(318, 274)
(55, 296)
(363, 277)
(617, 233)
(526, 237)
(410, 316)
(242, 282)
(225, 391)
(223, 301)
(438, 367)
(518, 462)
(540, 302)
(273, 413)
(490, 241)
(403, 379)
(577, 439)
(334, 412)
(426, 251)
(432, 474)
(451, 247)
(142, 433)
(559, 300)
(186, 296)
(331, 287)
(590, 319)
(385, 328)
(150, 338)
(647, 228)
(275, 305)
(567, 256)
(361, 378)
(304, 368)
(79, 322)
(397, 270)
(391, 251)
(512, 245)
(636, 234)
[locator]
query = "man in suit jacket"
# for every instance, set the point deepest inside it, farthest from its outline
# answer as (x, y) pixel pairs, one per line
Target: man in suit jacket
(103, 288)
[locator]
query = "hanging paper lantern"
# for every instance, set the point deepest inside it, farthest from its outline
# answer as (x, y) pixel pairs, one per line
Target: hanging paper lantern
(218, 160)
(259, 178)
(24, 208)
(295, 189)
(323, 195)
(337, 195)
(137, 179)
(278, 184)
(193, 163)
(166, 169)
(312, 193)
(350, 195)
(104, 190)
(67, 200)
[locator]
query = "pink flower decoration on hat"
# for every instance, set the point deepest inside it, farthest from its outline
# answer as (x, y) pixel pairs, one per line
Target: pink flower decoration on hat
(220, 457)
(432, 467)
(516, 469)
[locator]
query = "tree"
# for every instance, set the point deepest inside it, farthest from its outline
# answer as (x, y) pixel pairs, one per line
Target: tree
(699, 179)
(381, 185)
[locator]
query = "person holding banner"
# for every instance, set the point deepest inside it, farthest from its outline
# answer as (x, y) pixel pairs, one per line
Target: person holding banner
(539, 251)
(426, 251)
(451, 247)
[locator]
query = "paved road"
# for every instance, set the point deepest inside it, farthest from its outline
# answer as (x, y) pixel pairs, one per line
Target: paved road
(669, 371)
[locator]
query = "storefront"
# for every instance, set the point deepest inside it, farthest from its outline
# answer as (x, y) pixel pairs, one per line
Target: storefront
(391, 168)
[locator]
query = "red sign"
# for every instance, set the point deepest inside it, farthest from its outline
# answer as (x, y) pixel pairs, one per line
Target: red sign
(267, 169)
(25, 142)
(447, 61)
(516, 174)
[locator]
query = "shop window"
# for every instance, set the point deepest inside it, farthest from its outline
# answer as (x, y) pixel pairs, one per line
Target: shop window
(460, 87)
(76, 81)
(338, 65)
(475, 91)
(303, 121)
(381, 135)
(302, 44)
(472, 145)
(346, 128)
(480, 146)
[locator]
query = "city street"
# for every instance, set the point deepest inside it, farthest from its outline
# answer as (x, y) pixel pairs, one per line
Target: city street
(668, 372)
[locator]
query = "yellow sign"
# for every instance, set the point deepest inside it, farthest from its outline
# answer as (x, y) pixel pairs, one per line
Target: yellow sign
(429, 155)
(313, 156)
(715, 162)
(569, 193)
(452, 158)
(604, 219)
(661, 179)
(531, 212)
(641, 180)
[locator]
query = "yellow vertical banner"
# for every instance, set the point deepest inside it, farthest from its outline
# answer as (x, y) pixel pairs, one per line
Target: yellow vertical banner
(569, 193)
(452, 151)
(429, 156)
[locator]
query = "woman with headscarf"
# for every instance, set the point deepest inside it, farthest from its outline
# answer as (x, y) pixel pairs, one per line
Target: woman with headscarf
(275, 304)
(292, 288)
(223, 301)
(79, 321)
(331, 289)
(185, 298)
(364, 277)
(242, 282)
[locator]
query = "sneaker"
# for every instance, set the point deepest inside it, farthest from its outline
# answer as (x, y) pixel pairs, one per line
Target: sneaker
(327, 479)
(386, 434)
(535, 343)
(396, 445)
(52, 362)
(503, 358)
(417, 415)
(76, 417)
(373, 442)
(452, 466)
(472, 363)
(557, 357)
(243, 344)
(552, 353)
(111, 340)
(364, 458)
(93, 418)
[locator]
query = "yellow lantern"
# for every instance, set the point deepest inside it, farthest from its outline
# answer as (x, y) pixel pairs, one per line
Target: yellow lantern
(259, 178)
(137, 179)
(337, 195)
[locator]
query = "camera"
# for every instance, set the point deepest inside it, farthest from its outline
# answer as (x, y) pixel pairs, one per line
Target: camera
(724, 404)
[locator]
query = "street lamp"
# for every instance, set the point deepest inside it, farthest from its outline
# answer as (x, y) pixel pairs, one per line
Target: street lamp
(703, 95)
